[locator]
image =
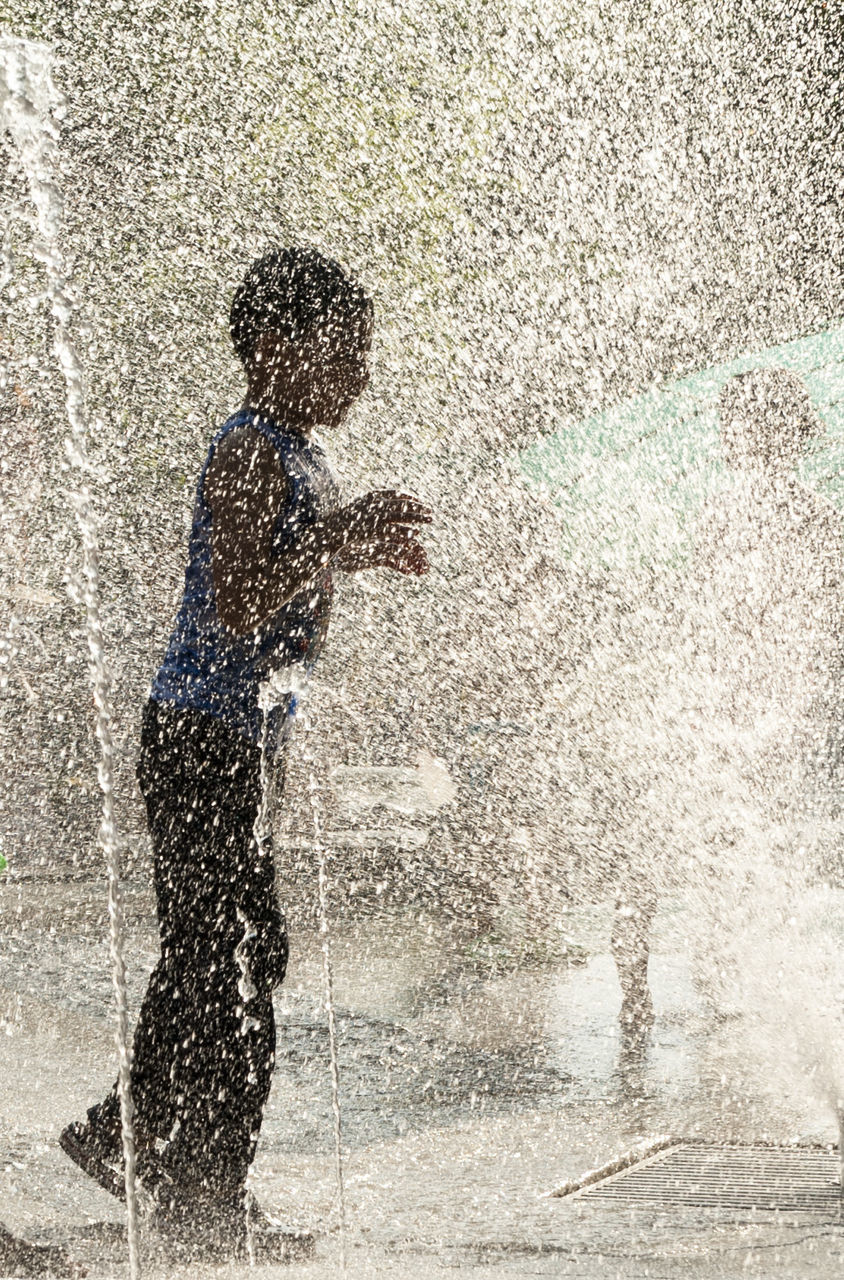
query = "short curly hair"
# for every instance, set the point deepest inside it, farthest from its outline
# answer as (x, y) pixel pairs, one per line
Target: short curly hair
(290, 290)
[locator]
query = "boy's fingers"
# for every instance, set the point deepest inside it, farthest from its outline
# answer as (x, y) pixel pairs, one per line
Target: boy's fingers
(400, 507)
(403, 542)
(405, 555)
(399, 541)
(403, 564)
(412, 560)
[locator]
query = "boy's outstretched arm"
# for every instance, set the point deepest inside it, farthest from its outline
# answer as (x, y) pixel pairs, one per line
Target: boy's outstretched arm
(246, 489)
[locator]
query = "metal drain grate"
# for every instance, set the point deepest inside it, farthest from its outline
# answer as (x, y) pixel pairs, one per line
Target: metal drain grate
(697, 1175)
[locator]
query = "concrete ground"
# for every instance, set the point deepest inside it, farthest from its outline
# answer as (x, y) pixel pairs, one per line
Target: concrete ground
(469, 1093)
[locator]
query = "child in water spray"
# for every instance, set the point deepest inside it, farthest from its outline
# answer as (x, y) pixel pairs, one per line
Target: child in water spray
(269, 532)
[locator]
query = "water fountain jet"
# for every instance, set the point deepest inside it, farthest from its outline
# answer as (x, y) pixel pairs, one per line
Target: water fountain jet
(31, 107)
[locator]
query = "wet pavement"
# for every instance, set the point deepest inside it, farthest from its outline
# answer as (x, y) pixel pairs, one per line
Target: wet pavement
(470, 1091)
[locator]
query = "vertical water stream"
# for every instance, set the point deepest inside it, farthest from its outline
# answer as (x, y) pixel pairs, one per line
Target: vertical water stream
(31, 105)
(291, 682)
(328, 976)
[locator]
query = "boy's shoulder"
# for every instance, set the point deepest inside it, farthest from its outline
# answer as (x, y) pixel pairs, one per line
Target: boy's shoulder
(243, 460)
(239, 436)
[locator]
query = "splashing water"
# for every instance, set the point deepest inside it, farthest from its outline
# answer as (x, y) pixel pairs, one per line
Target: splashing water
(30, 107)
(316, 805)
(717, 737)
(292, 682)
(328, 978)
(554, 213)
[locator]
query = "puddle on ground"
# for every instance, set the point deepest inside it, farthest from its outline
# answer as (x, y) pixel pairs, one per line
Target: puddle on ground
(469, 1090)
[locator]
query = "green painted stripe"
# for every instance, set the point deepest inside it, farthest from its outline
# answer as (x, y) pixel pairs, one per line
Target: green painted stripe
(631, 478)
(556, 461)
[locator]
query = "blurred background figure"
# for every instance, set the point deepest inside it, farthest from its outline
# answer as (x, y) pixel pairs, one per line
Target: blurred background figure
(749, 707)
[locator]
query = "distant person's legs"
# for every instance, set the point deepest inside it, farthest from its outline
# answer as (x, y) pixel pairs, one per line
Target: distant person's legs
(635, 909)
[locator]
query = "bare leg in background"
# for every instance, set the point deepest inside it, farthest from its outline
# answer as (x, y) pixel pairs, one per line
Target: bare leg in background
(635, 909)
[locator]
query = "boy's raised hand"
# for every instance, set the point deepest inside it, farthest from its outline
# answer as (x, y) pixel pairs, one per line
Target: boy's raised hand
(376, 513)
(380, 530)
(405, 557)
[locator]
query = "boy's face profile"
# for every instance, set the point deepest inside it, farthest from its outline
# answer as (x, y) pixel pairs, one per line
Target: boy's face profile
(338, 356)
(314, 378)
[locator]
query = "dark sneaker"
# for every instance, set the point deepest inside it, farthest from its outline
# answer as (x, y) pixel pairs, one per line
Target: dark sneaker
(102, 1159)
(20, 1258)
(94, 1156)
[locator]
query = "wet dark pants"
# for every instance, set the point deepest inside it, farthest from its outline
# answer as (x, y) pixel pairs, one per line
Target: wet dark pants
(204, 1045)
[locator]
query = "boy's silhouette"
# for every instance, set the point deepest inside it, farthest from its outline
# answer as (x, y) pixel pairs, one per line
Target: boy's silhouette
(269, 531)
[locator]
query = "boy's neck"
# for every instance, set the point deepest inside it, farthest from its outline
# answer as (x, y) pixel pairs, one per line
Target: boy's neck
(282, 415)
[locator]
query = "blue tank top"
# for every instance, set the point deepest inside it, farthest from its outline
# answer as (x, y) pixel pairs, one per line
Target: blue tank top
(207, 667)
